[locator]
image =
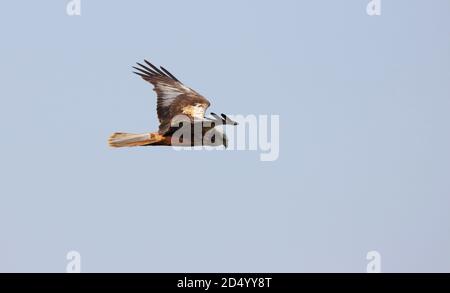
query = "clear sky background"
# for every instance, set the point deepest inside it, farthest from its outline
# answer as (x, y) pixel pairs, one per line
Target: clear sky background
(364, 142)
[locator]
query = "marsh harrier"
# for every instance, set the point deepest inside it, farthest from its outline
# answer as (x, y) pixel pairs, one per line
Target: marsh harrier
(178, 106)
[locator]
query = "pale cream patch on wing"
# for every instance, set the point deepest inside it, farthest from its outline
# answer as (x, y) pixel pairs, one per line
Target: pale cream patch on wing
(196, 111)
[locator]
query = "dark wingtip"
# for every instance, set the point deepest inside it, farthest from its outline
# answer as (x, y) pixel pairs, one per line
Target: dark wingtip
(147, 70)
(156, 69)
(216, 116)
(141, 75)
(228, 120)
(169, 74)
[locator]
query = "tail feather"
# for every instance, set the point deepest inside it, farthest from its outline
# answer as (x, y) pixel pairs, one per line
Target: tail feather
(120, 139)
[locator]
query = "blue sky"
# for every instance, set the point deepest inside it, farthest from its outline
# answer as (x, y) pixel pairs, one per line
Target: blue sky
(364, 162)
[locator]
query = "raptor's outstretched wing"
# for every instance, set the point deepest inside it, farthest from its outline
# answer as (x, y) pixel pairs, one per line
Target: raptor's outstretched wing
(174, 97)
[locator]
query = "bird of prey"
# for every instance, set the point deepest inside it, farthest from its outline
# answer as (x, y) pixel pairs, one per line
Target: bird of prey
(175, 100)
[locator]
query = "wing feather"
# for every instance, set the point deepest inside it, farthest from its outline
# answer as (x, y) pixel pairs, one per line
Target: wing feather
(173, 97)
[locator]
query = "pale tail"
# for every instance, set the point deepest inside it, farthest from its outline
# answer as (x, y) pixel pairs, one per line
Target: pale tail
(119, 139)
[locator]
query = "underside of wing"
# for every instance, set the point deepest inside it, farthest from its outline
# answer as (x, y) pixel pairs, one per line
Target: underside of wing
(174, 98)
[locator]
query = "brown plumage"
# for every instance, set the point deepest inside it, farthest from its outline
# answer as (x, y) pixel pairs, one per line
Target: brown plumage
(173, 99)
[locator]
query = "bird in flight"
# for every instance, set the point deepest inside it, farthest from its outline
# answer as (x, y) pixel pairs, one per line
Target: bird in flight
(179, 108)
